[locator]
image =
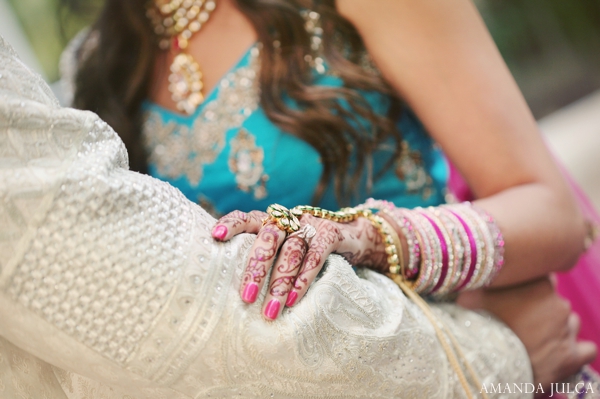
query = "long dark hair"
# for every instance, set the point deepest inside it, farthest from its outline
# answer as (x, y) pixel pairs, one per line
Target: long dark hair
(115, 77)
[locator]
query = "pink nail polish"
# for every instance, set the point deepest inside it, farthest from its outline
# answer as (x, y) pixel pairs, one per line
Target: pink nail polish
(219, 232)
(272, 309)
(250, 293)
(291, 299)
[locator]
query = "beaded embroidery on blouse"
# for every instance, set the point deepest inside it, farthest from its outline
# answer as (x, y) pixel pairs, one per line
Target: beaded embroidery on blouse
(246, 163)
(177, 150)
(410, 169)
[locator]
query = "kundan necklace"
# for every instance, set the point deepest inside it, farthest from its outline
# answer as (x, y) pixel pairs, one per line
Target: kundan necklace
(175, 22)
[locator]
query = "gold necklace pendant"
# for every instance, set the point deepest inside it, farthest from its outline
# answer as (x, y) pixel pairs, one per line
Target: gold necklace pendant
(185, 83)
(175, 22)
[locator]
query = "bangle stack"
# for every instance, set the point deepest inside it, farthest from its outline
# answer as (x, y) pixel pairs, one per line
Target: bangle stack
(450, 248)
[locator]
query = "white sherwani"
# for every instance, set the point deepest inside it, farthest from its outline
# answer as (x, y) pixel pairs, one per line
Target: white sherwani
(111, 287)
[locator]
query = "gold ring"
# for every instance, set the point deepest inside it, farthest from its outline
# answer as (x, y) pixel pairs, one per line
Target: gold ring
(285, 219)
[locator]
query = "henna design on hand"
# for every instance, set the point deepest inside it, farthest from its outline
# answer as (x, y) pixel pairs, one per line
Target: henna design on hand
(328, 236)
(291, 260)
(292, 255)
(264, 252)
(373, 259)
(369, 251)
(282, 286)
(312, 260)
(258, 216)
(236, 218)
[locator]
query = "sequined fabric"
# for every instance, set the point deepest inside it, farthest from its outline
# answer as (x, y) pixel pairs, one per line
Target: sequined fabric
(111, 287)
(175, 150)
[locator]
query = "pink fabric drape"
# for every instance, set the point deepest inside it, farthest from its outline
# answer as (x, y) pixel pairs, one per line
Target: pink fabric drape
(580, 285)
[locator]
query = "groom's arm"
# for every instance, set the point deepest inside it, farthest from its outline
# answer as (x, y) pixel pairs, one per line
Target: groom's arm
(97, 263)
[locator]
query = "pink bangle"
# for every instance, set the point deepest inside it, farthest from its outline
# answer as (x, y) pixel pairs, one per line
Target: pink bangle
(414, 250)
(426, 272)
(447, 228)
(498, 239)
(444, 252)
(487, 258)
(473, 251)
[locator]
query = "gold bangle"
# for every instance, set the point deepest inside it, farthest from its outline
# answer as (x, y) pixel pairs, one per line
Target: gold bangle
(387, 234)
(344, 215)
(398, 244)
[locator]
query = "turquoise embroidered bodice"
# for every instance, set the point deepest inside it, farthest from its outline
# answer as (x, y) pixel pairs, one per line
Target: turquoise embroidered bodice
(228, 155)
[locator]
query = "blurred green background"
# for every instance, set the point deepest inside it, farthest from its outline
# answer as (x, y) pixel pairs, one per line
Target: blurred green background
(551, 46)
(49, 28)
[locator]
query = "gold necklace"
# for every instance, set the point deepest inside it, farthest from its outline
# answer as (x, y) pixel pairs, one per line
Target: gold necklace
(174, 23)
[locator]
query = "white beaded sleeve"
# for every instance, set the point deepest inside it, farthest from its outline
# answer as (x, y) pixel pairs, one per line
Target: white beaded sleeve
(111, 287)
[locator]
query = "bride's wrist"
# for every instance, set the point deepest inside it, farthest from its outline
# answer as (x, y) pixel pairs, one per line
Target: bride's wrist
(445, 249)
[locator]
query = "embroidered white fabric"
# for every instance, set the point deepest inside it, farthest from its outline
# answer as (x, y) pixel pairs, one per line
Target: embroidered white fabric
(111, 287)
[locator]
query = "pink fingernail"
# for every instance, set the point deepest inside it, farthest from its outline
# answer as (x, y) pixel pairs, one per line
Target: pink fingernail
(219, 232)
(250, 293)
(291, 299)
(272, 309)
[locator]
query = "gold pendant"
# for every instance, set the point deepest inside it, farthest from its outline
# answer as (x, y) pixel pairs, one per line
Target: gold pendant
(185, 83)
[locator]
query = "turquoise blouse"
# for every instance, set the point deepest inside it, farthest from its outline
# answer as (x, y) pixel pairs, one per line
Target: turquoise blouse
(228, 155)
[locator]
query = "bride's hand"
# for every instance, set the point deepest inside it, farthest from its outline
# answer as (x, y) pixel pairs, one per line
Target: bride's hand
(301, 254)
